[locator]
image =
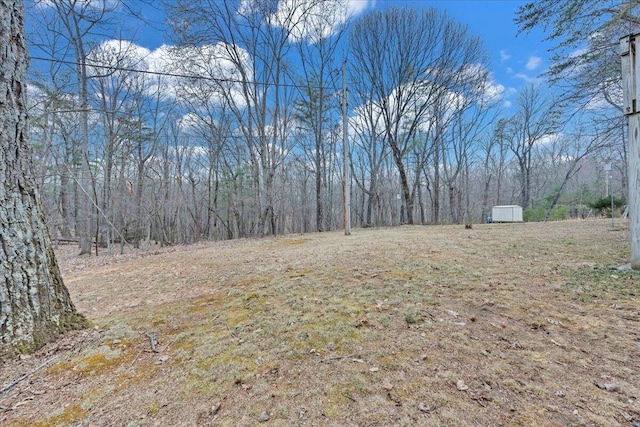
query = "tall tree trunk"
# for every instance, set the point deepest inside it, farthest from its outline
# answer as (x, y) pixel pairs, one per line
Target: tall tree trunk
(436, 183)
(34, 304)
(319, 195)
(453, 211)
(65, 229)
(485, 199)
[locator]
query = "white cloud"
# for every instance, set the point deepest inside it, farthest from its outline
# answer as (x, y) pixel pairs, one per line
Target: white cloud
(212, 67)
(220, 67)
(482, 89)
(356, 7)
(548, 139)
(192, 122)
(116, 54)
(493, 90)
(507, 93)
(504, 56)
(97, 5)
(533, 62)
(309, 19)
(527, 78)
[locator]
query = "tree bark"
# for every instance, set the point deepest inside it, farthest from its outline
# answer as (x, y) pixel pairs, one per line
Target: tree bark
(34, 304)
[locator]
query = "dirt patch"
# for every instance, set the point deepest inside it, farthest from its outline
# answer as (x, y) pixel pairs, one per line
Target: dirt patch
(514, 324)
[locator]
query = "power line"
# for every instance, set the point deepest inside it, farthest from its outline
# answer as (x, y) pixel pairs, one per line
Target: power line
(177, 75)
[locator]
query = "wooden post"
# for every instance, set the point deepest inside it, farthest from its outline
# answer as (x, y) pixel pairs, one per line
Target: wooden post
(631, 108)
(633, 156)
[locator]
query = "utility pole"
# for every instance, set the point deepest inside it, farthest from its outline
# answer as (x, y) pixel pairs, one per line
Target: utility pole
(631, 108)
(346, 187)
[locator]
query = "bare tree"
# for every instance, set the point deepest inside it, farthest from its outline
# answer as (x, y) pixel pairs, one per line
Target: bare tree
(410, 58)
(245, 47)
(583, 33)
(78, 19)
(34, 303)
(566, 153)
(112, 82)
(75, 21)
(493, 156)
(57, 131)
(370, 154)
(320, 30)
(586, 66)
(470, 110)
(536, 118)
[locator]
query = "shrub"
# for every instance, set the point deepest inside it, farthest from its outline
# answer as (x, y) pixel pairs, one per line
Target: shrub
(603, 205)
(560, 212)
(533, 215)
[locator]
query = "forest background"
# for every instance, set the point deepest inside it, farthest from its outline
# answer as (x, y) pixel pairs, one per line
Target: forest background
(233, 126)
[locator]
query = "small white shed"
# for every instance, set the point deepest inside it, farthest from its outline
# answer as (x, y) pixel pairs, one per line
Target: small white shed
(508, 213)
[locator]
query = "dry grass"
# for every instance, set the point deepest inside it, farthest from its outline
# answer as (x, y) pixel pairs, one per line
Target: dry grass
(521, 324)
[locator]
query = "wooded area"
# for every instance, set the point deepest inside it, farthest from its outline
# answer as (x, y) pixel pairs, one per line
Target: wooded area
(235, 130)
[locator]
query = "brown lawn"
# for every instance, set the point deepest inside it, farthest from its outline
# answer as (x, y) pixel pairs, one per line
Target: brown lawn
(513, 324)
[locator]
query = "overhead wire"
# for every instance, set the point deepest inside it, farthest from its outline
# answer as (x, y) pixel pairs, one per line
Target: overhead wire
(177, 75)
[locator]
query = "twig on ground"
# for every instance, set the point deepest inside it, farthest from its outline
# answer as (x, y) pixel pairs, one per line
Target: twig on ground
(136, 358)
(166, 347)
(27, 375)
(333, 358)
(153, 341)
(430, 314)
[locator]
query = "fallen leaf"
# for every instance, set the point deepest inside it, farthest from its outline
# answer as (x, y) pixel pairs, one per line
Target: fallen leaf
(215, 408)
(607, 386)
(461, 385)
(426, 409)
(374, 369)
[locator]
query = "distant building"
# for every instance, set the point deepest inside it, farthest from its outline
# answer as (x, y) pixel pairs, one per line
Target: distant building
(508, 213)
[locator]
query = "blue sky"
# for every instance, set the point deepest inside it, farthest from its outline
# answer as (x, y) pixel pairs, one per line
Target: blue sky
(515, 59)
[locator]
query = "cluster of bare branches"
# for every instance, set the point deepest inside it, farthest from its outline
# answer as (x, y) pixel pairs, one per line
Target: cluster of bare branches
(235, 130)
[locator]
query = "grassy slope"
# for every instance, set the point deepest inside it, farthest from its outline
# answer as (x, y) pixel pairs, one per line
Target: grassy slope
(499, 325)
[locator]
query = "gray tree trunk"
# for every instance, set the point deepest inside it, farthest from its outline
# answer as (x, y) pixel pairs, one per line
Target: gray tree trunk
(34, 304)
